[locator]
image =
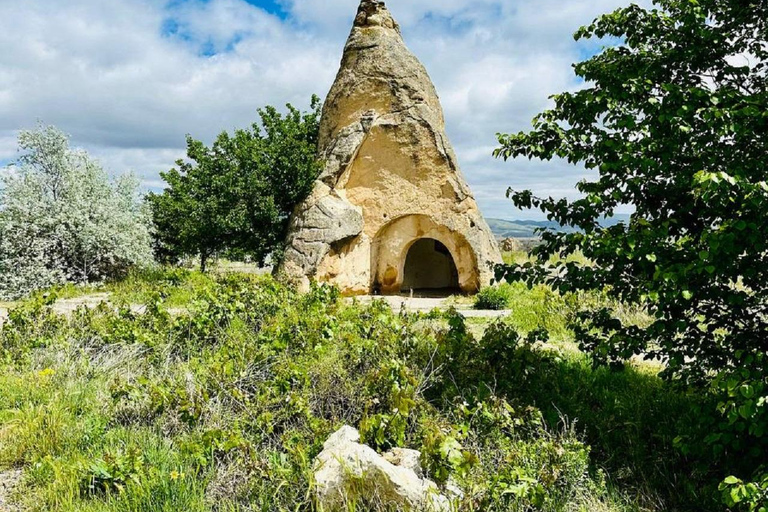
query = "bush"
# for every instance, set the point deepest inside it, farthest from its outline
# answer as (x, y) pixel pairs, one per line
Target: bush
(229, 401)
(690, 155)
(495, 298)
(63, 220)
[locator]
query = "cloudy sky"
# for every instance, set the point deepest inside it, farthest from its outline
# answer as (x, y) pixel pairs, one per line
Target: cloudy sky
(127, 79)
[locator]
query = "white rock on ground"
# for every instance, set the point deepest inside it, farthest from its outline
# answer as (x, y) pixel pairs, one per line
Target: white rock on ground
(348, 472)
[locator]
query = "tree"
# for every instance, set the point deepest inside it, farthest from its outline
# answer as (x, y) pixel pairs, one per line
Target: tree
(62, 219)
(674, 120)
(239, 194)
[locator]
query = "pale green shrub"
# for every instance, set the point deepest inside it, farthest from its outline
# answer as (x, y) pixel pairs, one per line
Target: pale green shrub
(63, 220)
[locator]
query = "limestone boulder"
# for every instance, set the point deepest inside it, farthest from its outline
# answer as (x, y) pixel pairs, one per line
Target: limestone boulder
(326, 219)
(348, 472)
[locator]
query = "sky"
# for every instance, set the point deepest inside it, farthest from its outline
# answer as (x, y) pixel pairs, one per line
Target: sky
(128, 79)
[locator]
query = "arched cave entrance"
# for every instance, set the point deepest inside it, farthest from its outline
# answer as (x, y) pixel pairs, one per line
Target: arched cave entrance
(408, 245)
(429, 267)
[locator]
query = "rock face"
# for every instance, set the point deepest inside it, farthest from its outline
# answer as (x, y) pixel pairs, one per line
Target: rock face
(347, 471)
(391, 182)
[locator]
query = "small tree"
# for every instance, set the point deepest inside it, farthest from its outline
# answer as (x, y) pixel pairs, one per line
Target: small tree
(62, 219)
(675, 122)
(238, 195)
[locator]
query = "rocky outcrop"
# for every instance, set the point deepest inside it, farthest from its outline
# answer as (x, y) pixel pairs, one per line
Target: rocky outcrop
(348, 472)
(388, 163)
(511, 245)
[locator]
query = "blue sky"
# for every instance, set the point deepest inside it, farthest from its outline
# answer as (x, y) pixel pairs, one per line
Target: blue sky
(129, 79)
(271, 7)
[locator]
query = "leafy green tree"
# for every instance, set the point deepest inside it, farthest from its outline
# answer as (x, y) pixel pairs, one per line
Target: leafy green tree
(674, 121)
(63, 220)
(238, 195)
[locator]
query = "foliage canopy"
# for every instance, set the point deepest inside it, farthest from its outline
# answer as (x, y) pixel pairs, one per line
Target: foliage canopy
(675, 123)
(62, 218)
(238, 194)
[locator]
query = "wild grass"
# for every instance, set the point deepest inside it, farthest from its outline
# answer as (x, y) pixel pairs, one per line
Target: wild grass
(223, 405)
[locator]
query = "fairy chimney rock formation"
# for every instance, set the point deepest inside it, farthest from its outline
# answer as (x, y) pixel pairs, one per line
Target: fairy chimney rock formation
(391, 211)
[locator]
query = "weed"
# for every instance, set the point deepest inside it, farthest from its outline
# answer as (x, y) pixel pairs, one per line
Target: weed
(224, 404)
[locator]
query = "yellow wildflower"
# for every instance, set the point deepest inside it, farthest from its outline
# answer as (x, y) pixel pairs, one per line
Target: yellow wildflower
(48, 372)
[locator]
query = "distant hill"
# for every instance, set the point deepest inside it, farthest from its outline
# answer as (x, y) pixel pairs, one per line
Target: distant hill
(527, 228)
(518, 228)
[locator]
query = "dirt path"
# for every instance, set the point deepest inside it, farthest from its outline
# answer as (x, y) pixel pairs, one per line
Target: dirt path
(414, 304)
(69, 306)
(8, 482)
(427, 304)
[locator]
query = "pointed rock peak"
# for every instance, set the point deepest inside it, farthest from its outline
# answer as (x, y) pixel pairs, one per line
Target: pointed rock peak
(373, 13)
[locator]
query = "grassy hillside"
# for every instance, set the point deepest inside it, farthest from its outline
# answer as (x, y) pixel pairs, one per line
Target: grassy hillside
(218, 395)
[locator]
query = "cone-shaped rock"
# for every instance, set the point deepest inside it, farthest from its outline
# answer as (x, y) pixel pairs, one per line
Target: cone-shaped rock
(391, 211)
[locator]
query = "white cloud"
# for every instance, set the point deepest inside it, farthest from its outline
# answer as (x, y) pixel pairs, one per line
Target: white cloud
(128, 80)
(110, 78)
(7, 147)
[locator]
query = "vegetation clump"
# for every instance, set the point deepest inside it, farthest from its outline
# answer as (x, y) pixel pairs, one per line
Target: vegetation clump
(673, 122)
(236, 197)
(224, 404)
(63, 220)
(494, 298)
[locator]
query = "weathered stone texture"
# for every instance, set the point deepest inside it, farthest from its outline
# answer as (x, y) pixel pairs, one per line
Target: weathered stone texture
(388, 163)
(347, 472)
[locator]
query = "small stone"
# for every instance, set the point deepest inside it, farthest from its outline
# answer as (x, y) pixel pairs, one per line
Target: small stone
(345, 435)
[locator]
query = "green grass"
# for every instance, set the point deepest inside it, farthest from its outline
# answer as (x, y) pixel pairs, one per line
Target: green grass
(522, 257)
(178, 288)
(224, 404)
(630, 419)
(541, 308)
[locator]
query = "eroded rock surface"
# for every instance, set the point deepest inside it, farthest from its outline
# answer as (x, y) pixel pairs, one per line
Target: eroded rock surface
(391, 176)
(348, 472)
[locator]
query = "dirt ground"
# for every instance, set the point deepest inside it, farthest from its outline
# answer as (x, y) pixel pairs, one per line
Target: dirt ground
(413, 304)
(427, 304)
(69, 306)
(8, 481)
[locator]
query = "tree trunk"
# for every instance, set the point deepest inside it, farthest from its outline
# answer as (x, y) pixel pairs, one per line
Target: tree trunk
(203, 261)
